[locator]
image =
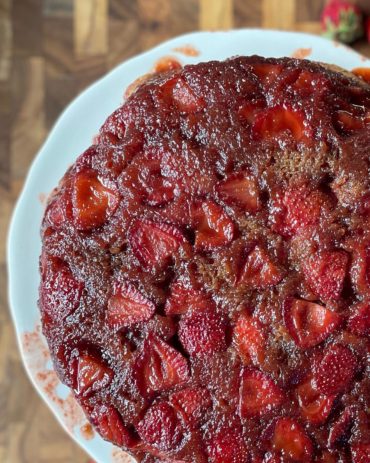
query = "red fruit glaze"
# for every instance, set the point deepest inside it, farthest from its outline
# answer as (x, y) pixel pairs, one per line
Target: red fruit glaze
(205, 266)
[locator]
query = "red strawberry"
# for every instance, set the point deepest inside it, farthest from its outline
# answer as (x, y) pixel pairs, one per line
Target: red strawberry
(128, 306)
(109, 423)
(326, 457)
(192, 403)
(360, 269)
(202, 331)
(341, 426)
(309, 323)
(314, 406)
(360, 453)
(296, 209)
(250, 339)
(159, 366)
(325, 272)
(274, 121)
(291, 440)
(347, 122)
(94, 200)
(272, 458)
(161, 427)
(336, 369)
(92, 375)
(259, 270)
(185, 98)
(154, 243)
(241, 189)
(213, 228)
(59, 210)
(184, 298)
(61, 292)
(249, 110)
(258, 394)
(359, 321)
(266, 72)
(227, 446)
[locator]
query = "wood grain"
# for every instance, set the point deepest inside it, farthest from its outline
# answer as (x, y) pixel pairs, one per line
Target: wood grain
(49, 51)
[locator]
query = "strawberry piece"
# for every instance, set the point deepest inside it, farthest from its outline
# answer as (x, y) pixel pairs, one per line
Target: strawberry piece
(291, 440)
(184, 298)
(325, 272)
(154, 243)
(227, 446)
(309, 323)
(159, 366)
(359, 321)
(277, 120)
(128, 306)
(202, 332)
(314, 406)
(360, 270)
(360, 453)
(266, 72)
(241, 189)
(347, 122)
(249, 110)
(272, 458)
(258, 394)
(109, 423)
(192, 403)
(296, 209)
(336, 369)
(340, 427)
(161, 427)
(249, 339)
(94, 200)
(59, 210)
(259, 270)
(92, 375)
(213, 228)
(185, 98)
(61, 292)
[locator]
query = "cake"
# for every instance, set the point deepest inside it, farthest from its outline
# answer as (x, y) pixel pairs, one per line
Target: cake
(205, 267)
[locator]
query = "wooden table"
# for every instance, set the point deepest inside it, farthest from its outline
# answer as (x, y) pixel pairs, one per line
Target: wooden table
(49, 51)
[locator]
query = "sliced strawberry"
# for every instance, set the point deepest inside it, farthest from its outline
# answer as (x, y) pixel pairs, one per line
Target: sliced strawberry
(227, 446)
(213, 228)
(161, 427)
(359, 321)
(360, 453)
(192, 403)
(259, 270)
(92, 375)
(291, 440)
(325, 272)
(94, 199)
(185, 98)
(61, 292)
(266, 72)
(250, 339)
(249, 110)
(128, 306)
(155, 243)
(346, 122)
(258, 394)
(109, 423)
(314, 406)
(360, 269)
(272, 122)
(309, 323)
(336, 369)
(272, 457)
(184, 297)
(296, 209)
(202, 331)
(159, 366)
(59, 210)
(327, 457)
(340, 427)
(241, 189)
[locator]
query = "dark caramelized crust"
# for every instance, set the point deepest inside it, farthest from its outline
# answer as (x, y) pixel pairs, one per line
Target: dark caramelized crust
(206, 267)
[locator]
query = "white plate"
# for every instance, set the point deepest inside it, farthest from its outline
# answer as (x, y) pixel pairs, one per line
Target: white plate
(73, 133)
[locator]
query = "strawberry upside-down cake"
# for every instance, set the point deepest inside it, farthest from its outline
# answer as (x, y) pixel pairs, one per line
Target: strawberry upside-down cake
(205, 271)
